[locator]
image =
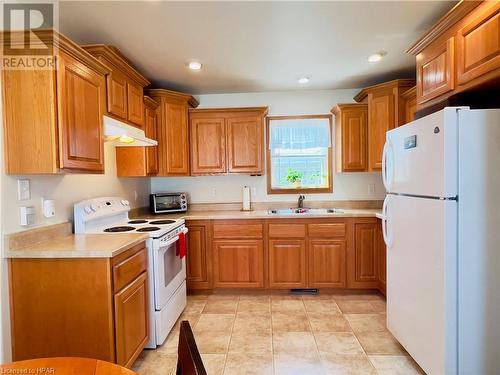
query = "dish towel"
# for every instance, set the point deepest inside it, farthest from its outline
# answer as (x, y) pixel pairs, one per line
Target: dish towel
(181, 245)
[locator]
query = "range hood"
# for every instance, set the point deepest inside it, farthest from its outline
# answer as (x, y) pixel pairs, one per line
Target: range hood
(124, 135)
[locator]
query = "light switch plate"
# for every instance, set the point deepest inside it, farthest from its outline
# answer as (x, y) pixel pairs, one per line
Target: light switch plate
(23, 190)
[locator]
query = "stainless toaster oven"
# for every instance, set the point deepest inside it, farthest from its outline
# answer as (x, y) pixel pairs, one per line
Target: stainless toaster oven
(162, 203)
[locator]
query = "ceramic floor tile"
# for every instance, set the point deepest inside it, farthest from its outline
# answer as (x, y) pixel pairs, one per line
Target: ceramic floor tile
(287, 306)
(293, 342)
(294, 364)
(395, 365)
(251, 342)
(195, 306)
(355, 307)
(367, 322)
(357, 364)
(256, 306)
(321, 322)
(190, 317)
(220, 307)
(214, 363)
(359, 297)
(256, 322)
(322, 306)
(249, 364)
(215, 323)
(255, 297)
(379, 306)
(212, 342)
(156, 363)
(290, 322)
(223, 297)
(338, 343)
(381, 343)
(285, 297)
(171, 343)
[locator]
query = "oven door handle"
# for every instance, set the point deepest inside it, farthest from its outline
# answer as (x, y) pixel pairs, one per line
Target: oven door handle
(173, 240)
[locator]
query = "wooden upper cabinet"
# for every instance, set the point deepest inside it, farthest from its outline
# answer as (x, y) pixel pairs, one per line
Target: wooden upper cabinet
(478, 46)
(385, 112)
(227, 140)
(245, 144)
(125, 85)
(173, 131)
(351, 137)
(81, 104)
(435, 71)
(208, 145)
(141, 161)
(287, 264)
(53, 118)
(460, 53)
(409, 98)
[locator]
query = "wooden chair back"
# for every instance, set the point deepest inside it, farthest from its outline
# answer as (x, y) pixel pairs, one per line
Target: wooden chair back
(189, 359)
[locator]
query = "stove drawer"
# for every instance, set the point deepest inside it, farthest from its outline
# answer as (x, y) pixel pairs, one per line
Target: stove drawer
(127, 269)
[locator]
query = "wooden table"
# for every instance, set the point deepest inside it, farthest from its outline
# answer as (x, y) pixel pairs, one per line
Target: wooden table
(65, 366)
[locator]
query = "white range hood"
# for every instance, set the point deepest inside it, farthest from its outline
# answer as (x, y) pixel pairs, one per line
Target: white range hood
(124, 135)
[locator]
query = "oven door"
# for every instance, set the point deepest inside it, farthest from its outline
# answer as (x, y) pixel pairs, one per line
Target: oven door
(169, 270)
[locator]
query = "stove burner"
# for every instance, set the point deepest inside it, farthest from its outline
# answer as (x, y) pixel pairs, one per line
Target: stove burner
(119, 229)
(137, 221)
(148, 229)
(160, 222)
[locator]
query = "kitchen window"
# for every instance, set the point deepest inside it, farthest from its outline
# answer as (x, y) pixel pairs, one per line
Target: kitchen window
(299, 154)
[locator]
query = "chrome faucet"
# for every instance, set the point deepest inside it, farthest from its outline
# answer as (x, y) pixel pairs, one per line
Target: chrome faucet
(300, 203)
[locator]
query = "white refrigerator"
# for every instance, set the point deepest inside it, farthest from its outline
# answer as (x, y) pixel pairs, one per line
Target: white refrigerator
(441, 225)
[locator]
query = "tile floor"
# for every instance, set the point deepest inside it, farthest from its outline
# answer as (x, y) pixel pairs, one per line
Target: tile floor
(286, 334)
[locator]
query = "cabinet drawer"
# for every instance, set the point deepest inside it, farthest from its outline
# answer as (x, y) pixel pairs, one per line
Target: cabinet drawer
(326, 230)
(127, 270)
(237, 230)
(287, 230)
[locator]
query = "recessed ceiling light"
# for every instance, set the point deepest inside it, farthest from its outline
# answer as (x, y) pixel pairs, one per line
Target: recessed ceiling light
(376, 57)
(194, 65)
(304, 80)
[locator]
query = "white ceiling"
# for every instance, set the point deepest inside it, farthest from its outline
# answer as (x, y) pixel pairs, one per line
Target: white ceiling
(257, 46)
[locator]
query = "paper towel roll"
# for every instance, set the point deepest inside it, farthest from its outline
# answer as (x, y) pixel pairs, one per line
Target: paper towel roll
(246, 198)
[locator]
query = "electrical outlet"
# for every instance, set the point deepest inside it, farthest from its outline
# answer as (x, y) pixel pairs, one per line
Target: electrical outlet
(253, 192)
(214, 192)
(371, 189)
(23, 190)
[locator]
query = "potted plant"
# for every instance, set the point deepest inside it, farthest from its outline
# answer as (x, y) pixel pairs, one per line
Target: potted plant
(294, 177)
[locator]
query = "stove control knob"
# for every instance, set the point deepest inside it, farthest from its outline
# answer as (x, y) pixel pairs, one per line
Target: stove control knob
(124, 202)
(87, 209)
(93, 207)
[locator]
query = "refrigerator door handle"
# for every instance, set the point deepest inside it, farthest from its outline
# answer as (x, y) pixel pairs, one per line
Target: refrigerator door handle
(387, 172)
(385, 232)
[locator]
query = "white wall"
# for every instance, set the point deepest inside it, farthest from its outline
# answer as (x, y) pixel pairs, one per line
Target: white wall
(209, 189)
(68, 189)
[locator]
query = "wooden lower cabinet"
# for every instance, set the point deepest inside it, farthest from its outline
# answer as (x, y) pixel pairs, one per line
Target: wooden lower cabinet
(287, 264)
(327, 263)
(238, 263)
(80, 307)
(198, 260)
(382, 259)
(363, 262)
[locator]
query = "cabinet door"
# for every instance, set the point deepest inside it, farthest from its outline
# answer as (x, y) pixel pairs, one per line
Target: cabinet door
(198, 258)
(135, 104)
(287, 264)
(382, 257)
(435, 71)
(131, 321)
(208, 146)
(174, 152)
(410, 108)
(245, 146)
(381, 119)
(238, 264)
(150, 128)
(354, 139)
(478, 46)
(365, 270)
(81, 104)
(327, 263)
(117, 94)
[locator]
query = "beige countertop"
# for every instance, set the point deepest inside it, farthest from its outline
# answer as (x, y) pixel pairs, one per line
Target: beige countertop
(71, 245)
(260, 214)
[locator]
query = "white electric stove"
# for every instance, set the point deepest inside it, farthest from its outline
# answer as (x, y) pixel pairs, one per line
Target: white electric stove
(166, 271)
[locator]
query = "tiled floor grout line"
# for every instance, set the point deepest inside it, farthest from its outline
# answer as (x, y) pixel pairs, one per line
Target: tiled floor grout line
(230, 336)
(314, 337)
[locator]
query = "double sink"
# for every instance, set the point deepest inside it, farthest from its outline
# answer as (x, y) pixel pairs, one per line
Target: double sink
(304, 211)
